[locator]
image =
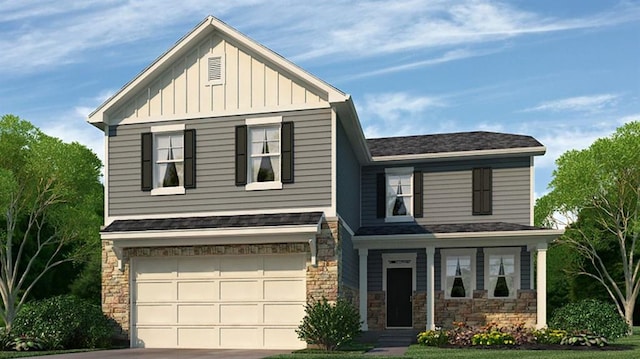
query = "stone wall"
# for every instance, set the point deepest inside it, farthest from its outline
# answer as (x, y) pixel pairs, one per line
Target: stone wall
(376, 311)
(480, 310)
(322, 280)
(115, 289)
(475, 312)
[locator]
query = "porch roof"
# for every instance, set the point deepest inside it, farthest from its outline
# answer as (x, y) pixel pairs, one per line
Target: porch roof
(415, 228)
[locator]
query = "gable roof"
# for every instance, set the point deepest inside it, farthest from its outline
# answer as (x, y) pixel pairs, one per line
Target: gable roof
(448, 144)
(99, 118)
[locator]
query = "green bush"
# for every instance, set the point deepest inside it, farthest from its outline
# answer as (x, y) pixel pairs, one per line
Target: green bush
(549, 336)
(63, 322)
(329, 326)
(592, 316)
(433, 338)
(585, 340)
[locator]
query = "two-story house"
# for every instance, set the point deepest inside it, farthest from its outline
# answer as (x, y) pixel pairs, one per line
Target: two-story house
(238, 187)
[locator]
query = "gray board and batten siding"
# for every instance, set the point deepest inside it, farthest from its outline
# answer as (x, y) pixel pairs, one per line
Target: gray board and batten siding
(215, 169)
(447, 191)
(374, 269)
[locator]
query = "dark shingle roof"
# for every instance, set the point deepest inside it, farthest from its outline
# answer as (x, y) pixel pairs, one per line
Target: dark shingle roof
(448, 142)
(384, 230)
(253, 220)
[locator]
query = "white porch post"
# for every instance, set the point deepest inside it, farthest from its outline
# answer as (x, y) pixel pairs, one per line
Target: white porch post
(431, 251)
(541, 285)
(363, 252)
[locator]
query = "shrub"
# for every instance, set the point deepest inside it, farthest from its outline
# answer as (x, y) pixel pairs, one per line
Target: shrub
(549, 336)
(585, 339)
(433, 338)
(592, 316)
(63, 322)
(461, 334)
(494, 337)
(329, 326)
(24, 343)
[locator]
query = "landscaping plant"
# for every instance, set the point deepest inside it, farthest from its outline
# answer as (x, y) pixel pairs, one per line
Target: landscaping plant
(329, 325)
(63, 322)
(433, 338)
(590, 316)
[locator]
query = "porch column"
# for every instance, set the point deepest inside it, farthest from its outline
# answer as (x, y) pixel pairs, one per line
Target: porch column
(431, 252)
(363, 252)
(541, 285)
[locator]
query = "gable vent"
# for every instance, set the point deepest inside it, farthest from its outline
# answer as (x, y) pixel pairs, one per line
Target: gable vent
(215, 70)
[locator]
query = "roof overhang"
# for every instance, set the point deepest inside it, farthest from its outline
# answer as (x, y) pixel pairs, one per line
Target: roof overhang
(457, 240)
(464, 155)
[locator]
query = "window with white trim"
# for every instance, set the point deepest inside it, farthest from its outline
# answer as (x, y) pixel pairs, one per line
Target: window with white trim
(458, 273)
(264, 153)
(502, 272)
(168, 159)
(399, 194)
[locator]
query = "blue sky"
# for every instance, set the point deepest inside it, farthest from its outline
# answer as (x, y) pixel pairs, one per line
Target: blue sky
(566, 72)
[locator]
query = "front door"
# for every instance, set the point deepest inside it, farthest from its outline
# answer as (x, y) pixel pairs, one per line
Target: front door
(399, 290)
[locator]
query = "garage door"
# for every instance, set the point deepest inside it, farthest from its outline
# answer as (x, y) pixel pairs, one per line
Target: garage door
(218, 302)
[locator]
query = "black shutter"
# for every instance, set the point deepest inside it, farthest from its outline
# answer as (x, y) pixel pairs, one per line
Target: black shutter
(381, 195)
(241, 155)
(482, 191)
(287, 152)
(417, 194)
(487, 193)
(147, 161)
(190, 159)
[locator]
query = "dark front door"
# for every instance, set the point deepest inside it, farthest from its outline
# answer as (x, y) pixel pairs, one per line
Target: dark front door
(399, 288)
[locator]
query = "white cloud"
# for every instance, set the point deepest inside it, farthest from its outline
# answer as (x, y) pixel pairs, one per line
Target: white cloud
(395, 113)
(46, 33)
(593, 103)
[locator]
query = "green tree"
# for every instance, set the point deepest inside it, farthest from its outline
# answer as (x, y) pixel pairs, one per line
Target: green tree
(49, 192)
(598, 191)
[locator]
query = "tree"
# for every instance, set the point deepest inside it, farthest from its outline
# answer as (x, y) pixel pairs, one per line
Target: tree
(48, 195)
(596, 193)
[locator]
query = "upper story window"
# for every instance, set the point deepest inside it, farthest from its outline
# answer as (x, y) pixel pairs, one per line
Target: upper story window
(482, 191)
(168, 160)
(458, 272)
(264, 153)
(399, 194)
(399, 198)
(502, 272)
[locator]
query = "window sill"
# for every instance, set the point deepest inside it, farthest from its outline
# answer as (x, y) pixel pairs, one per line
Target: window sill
(166, 191)
(458, 298)
(261, 186)
(399, 219)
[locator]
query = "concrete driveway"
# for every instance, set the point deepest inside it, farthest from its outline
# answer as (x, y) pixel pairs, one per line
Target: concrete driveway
(140, 353)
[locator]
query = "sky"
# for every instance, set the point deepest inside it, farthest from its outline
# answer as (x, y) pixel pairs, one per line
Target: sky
(566, 72)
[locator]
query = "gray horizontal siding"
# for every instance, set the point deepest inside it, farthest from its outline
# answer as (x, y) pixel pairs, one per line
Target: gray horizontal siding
(349, 260)
(447, 192)
(348, 180)
(215, 169)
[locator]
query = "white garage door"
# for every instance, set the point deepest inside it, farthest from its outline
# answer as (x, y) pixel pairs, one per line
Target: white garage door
(218, 302)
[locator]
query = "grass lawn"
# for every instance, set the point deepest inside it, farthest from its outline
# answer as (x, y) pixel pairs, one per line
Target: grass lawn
(420, 352)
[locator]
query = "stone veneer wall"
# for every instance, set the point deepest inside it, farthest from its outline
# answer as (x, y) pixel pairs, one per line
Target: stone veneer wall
(322, 280)
(480, 310)
(475, 312)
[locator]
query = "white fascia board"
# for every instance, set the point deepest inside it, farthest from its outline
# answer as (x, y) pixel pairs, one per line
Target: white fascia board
(97, 117)
(230, 235)
(461, 155)
(456, 240)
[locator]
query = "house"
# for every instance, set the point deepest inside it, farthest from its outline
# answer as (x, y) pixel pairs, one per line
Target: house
(239, 186)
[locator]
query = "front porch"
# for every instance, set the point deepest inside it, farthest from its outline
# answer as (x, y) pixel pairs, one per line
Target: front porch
(429, 305)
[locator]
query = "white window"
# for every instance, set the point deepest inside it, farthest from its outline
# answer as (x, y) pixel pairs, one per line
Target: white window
(399, 204)
(502, 272)
(168, 157)
(264, 153)
(458, 272)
